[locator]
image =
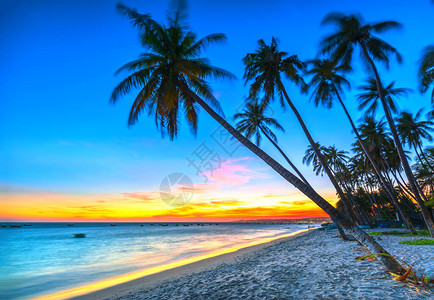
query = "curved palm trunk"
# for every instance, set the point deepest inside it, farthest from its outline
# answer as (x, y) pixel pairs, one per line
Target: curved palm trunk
(360, 214)
(424, 156)
(386, 187)
(286, 158)
(401, 212)
(413, 184)
(390, 263)
(341, 231)
(321, 158)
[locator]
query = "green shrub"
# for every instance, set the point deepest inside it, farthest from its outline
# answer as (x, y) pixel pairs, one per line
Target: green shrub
(400, 233)
(419, 242)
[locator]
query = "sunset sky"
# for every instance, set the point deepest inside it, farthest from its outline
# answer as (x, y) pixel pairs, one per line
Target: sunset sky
(67, 154)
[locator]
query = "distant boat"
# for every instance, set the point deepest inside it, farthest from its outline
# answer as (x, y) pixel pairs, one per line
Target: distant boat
(186, 224)
(113, 224)
(70, 224)
(152, 224)
(4, 226)
(142, 224)
(217, 223)
(15, 226)
(79, 235)
(164, 224)
(27, 224)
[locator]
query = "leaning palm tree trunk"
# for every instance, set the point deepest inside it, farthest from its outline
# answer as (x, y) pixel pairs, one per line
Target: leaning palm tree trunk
(401, 212)
(388, 188)
(413, 183)
(390, 263)
(418, 145)
(341, 231)
(321, 159)
(286, 158)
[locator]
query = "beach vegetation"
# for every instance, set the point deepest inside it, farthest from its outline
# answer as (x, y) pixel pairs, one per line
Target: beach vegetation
(400, 233)
(418, 242)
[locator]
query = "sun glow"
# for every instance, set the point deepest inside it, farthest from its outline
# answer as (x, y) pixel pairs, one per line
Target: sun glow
(147, 206)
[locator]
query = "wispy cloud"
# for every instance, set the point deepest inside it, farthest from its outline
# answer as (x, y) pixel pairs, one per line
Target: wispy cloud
(234, 172)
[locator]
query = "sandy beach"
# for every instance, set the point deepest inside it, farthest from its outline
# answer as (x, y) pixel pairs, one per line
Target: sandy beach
(311, 265)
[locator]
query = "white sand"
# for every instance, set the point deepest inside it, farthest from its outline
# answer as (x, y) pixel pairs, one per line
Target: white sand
(316, 265)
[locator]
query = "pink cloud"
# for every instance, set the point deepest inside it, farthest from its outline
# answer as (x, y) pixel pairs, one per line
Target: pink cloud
(232, 173)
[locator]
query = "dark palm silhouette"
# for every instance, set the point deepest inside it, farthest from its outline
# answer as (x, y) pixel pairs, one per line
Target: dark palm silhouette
(173, 78)
(426, 71)
(327, 83)
(412, 131)
(253, 123)
(264, 70)
(351, 32)
(380, 146)
(369, 98)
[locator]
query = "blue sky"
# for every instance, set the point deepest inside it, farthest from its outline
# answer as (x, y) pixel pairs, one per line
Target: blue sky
(59, 133)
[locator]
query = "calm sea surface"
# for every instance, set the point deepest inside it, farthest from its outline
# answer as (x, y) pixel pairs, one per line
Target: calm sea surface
(45, 257)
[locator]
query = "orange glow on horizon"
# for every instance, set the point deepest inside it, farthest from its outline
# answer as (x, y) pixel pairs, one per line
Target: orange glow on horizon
(148, 207)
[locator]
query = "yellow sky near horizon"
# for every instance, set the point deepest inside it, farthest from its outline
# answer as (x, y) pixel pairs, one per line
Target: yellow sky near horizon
(148, 206)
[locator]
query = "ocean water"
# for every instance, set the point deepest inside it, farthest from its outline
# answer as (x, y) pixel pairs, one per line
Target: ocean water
(45, 257)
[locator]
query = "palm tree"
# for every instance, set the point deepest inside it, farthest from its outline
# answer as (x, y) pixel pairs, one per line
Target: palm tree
(424, 173)
(380, 146)
(337, 158)
(412, 131)
(426, 70)
(370, 97)
(310, 157)
(253, 123)
(327, 82)
(171, 78)
(264, 69)
(352, 32)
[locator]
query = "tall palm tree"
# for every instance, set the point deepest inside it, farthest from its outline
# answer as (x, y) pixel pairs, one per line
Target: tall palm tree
(412, 131)
(328, 81)
(370, 98)
(337, 158)
(171, 78)
(425, 173)
(426, 70)
(380, 145)
(310, 157)
(353, 32)
(264, 69)
(253, 123)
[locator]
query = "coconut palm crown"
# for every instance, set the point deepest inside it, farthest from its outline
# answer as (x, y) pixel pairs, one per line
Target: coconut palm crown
(369, 98)
(426, 70)
(352, 31)
(264, 68)
(253, 122)
(327, 81)
(412, 130)
(169, 72)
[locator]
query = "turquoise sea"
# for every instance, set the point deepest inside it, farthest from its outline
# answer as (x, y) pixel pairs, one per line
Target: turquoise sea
(42, 258)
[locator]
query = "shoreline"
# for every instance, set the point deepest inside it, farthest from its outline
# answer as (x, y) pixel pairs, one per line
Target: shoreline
(316, 265)
(121, 285)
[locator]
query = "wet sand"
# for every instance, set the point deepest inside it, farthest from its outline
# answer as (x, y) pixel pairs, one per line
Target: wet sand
(312, 265)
